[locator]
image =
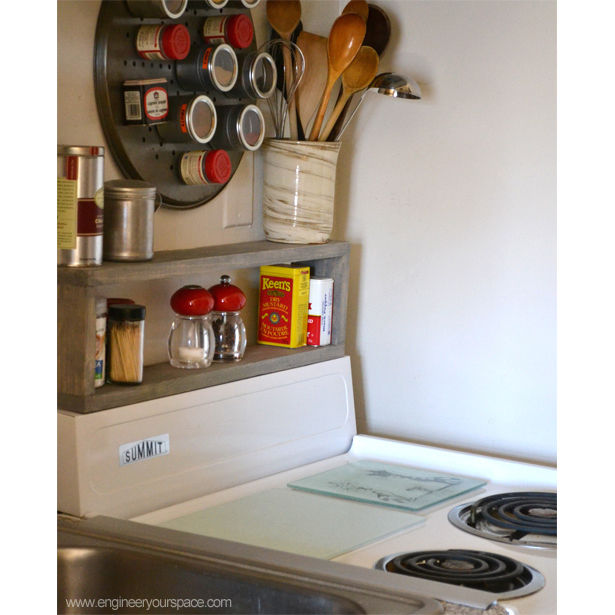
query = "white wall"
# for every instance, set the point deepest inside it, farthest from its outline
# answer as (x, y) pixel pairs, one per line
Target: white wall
(449, 203)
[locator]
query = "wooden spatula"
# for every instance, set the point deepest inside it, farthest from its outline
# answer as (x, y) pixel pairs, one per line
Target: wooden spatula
(312, 86)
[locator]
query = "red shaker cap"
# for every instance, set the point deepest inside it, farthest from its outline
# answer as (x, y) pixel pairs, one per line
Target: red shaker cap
(240, 31)
(192, 300)
(176, 42)
(218, 166)
(227, 296)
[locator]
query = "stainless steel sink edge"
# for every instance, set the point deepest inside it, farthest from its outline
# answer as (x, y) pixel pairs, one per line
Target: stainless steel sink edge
(373, 591)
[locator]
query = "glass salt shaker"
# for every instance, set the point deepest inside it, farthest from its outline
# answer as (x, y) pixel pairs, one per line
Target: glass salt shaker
(191, 339)
(229, 330)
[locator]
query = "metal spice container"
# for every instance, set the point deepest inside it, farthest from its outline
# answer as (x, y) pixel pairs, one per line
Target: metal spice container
(129, 221)
(80, 205)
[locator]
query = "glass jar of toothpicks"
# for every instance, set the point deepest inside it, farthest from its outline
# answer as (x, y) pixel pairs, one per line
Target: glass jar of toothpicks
(126, 324)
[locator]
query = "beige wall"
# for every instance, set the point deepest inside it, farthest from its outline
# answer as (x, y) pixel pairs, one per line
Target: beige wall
(449, 203)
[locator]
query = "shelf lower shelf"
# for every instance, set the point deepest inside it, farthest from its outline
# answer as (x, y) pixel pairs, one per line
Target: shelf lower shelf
(162, 379)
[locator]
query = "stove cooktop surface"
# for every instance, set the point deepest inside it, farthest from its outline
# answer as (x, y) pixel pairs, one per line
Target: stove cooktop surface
(523, 518)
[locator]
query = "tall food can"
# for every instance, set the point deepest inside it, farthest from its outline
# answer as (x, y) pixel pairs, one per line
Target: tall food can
(80, 205)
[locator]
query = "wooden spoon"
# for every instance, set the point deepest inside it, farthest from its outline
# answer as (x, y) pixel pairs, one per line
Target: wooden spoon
(345, 39)
(312, 86)
(355, 78)
(377, 35)
(358, 7)
(284, 16)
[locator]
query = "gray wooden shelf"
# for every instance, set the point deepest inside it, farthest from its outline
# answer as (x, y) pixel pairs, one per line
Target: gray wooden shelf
(78, 288)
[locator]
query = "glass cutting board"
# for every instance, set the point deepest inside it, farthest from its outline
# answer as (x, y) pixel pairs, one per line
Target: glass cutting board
(298, 522)
(390, 485)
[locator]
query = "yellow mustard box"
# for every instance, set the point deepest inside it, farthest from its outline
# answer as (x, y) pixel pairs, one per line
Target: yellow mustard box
(283, 301)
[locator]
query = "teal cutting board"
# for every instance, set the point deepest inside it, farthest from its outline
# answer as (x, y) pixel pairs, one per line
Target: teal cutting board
(395, 486)
(297, 522)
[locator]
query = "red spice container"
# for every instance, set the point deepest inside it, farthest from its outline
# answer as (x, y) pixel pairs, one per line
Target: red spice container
(163, 42)
(207, 167)
(235, 30)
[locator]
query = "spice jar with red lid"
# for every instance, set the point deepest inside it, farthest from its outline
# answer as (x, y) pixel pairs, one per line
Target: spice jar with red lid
(162, 42)
(228, 327)
(205, 167)
(191, 339)
(235, 30)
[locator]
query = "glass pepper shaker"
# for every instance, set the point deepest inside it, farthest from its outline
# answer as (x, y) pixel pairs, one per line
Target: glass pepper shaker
(229, 330)
(191, 339)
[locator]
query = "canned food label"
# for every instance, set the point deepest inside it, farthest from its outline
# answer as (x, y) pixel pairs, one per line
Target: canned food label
(148, 43)
(89, 218)
(213, 30)
(182, 118)
(156, 103)
(132, 105)
(67, 214)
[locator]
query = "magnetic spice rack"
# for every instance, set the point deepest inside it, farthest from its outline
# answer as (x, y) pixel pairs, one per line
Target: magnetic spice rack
(138, 150)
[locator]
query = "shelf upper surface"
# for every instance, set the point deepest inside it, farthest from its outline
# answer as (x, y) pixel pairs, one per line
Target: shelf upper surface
(172, 263)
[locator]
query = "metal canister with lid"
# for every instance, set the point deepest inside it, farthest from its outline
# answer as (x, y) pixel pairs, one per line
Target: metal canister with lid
(208, 67)
(258, 76)
(192, 119)
(80, 205)
(129, 220)
(239, 127)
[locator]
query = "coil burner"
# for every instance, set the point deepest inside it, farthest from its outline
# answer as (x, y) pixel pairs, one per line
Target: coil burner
(490, 572)
(526, 518)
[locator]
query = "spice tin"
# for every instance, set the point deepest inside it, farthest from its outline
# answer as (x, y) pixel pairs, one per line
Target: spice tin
(258, 76)
(80, 205)
(163, 42)
(209, 67)
(191, 120)
(320, 312)
(129, 222)
(146, 101)
(235, 30)
(283, 305)
(205, 167)
(239, 127)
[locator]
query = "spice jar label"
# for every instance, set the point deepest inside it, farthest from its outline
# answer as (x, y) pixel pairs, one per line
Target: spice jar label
(148, 43)
(67, 214)
(156, 103)
(182, 118)
(132, 103)
(206, 57)
(213, 30)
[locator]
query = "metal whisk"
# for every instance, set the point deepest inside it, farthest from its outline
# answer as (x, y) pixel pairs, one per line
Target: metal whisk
(281, 101)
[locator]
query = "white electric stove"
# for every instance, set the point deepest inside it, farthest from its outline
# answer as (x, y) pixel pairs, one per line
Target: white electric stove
(178, 461)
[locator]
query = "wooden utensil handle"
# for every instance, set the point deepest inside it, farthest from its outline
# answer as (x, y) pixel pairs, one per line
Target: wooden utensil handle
(320, 116)
(341, 102)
